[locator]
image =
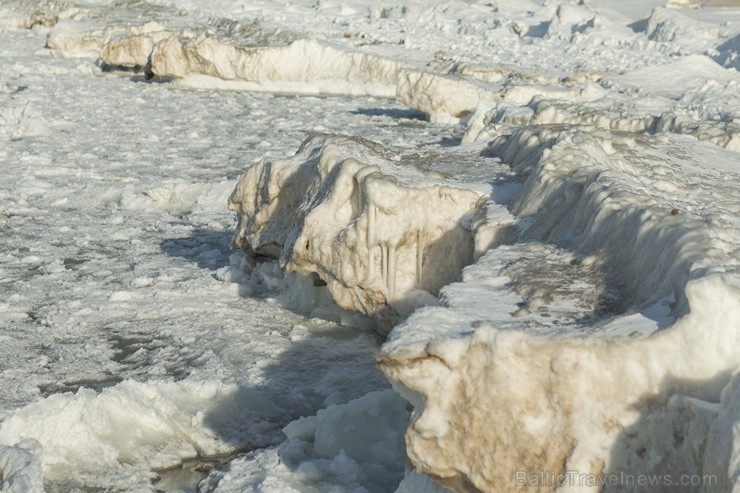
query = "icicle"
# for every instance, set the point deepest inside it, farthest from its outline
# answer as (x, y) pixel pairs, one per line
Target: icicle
(392, 270)
(360, 195)
(360, 176)
(384, 263)
(370, 241)
(371, 217)
(419, 257)
(366, 205)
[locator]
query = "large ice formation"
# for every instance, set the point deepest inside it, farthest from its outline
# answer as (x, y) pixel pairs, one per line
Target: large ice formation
(574, 324)
(503, 400)
(638, 309)
(383, 237)
(308, 62)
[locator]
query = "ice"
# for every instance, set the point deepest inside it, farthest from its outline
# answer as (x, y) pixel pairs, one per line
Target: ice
(722, 452)
(329, 67)
(543, 194)
(20, 469)
(133, 428)
(358, 224)
(474, 333)
(357, 446)
(21, 123)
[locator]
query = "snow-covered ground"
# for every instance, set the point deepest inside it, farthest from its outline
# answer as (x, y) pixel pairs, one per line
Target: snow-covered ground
(580, 158)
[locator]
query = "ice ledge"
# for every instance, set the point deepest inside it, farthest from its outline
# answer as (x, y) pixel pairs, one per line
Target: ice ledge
(498, 395)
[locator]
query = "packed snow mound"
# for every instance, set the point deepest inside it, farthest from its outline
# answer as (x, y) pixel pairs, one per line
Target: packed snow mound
(460, 89)
(672, 26)
(493, 382)
(131, 429)
(673, 79)
(341, 208)
(357, 446)
(676, 30)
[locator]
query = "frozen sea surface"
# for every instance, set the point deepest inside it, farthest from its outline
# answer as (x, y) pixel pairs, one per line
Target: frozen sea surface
(115, 253)
(140, 352)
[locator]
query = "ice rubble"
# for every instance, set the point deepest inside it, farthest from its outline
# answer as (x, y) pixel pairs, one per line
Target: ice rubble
(130, 430)
(20, 123)
(135, 427)
(357, 446)
(677, 97)
(341, 208)
(204, 57)
(253, 58)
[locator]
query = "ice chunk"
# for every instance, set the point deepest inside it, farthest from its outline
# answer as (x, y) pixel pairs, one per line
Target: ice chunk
(722, 451)
(341, 209)
(303, 61)
(436, 94)
(20, 469)
(357, 446)
(130, 429)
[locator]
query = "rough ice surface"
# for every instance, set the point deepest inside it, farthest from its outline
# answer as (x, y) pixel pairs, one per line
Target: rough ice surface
(351, 447)
(505, 342)
(343, 210)
(21, 468)
(565, 282)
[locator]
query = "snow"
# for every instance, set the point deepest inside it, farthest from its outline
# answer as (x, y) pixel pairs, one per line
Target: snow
(537, 199)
